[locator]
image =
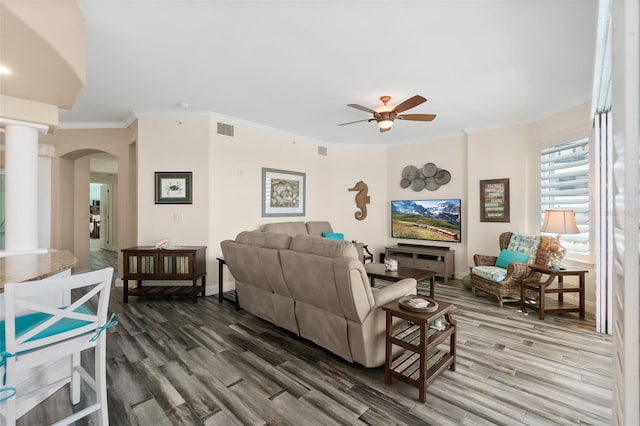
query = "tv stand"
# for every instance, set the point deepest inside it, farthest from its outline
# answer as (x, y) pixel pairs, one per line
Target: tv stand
(440, 260)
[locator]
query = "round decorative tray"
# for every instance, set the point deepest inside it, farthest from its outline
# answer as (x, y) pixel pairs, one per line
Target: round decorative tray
(404, 304)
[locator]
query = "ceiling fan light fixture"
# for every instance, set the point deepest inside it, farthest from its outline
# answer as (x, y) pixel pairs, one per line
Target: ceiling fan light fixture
(385, 124)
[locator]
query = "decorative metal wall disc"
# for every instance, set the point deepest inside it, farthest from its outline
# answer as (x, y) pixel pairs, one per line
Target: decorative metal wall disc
(428, 177)
(429, 170)
(417, 184)
(431, 184)
(442, 177)
(410, 172)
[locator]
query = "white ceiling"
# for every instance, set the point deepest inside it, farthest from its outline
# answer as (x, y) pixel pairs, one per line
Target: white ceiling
(294, 66)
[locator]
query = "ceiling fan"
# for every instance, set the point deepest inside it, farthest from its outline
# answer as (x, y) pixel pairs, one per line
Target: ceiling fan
(384, 115)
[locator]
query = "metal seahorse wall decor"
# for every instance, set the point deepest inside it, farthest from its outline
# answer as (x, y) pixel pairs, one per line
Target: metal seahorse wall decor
(362, 199)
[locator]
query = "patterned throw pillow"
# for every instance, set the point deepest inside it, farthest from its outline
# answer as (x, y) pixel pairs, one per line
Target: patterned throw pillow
(525, 243)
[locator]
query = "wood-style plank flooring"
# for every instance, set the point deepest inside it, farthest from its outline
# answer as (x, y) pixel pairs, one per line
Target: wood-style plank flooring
(171, 362)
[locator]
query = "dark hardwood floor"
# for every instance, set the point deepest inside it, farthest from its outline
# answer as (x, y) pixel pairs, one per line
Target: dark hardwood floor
(171, 362)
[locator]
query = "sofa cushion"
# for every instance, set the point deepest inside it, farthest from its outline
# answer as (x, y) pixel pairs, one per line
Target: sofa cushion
(252, 238)
(509, 256)
(334, 235)
(275, 240)
(317, 228)
(491, 273)
(525, 243)
(289, 228)
(323, 246)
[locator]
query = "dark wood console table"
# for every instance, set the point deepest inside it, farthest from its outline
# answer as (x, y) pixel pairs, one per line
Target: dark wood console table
(147, 263)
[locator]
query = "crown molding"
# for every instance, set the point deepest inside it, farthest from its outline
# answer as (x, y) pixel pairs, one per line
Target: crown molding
(86, 125)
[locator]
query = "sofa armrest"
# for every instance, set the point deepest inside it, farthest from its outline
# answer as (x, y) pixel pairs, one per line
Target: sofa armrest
(482, 260)
(394, 291)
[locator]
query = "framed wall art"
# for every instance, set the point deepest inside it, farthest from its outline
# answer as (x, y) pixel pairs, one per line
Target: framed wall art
(283, 193)
(494, 200)
(173, 188)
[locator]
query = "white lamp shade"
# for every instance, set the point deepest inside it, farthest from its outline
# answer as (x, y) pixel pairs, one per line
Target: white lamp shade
(560, 222)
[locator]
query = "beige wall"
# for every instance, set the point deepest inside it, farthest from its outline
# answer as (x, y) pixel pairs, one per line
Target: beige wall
(227, 181)
(448, 154)
(509, 152)
(496, 154)
(70, 186)
(173, 145)
(227, 174)
(573, 124)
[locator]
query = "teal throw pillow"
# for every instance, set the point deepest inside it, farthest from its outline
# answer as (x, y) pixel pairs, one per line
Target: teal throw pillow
(509, 256)
(334, 235)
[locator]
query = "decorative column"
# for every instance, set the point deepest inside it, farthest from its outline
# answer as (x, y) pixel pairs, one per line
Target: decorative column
(21, 185)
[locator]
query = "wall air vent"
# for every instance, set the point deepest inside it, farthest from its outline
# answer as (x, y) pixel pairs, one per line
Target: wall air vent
(322, 150)
(225, 129)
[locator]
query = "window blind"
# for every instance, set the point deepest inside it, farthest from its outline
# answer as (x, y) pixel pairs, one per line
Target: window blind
(564, 184)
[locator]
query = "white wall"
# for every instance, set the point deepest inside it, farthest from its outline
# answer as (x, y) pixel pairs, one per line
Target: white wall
(496, 154)
(227, 183)
(173, 145)
(508, 152)
(448, 154)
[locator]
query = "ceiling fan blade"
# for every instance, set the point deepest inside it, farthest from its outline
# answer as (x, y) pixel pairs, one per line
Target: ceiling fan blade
(357, 121)
(417, 117)
(385, 130)
(410, 103)
(361, 108)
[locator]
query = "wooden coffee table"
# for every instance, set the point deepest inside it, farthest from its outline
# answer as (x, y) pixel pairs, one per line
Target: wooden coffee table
(377, 271)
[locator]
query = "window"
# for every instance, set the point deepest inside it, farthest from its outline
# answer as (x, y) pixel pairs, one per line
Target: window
(564, 184)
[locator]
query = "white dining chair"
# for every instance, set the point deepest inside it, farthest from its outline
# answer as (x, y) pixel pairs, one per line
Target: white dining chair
(46, 326)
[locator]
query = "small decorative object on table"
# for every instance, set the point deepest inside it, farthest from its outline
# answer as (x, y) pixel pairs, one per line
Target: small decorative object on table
(162, 244)
(417, 303)
(390, 265)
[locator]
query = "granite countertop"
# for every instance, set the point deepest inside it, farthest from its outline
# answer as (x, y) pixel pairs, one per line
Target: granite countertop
(29, 267)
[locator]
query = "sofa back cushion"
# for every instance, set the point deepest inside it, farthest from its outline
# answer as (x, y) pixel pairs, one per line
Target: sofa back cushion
(325, 247)
(254, 259)
(244, 263)
(252, 238)
(289, 228)
(317, 228)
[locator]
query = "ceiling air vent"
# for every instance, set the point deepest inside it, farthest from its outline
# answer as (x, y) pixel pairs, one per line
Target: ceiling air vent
(225, 129)
(322, 150)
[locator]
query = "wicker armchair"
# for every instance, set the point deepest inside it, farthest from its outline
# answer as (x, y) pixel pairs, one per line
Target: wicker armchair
(516, 272)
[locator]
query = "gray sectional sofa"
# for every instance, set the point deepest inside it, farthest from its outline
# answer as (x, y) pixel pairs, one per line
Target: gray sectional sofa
(314, 287)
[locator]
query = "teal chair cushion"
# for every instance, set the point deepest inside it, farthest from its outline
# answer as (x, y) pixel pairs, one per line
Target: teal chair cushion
(28, 322)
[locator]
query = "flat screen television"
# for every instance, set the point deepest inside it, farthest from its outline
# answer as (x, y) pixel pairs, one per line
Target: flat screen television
(431, 220)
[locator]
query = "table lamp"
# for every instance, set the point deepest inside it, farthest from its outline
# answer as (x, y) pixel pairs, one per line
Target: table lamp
(559, 222)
